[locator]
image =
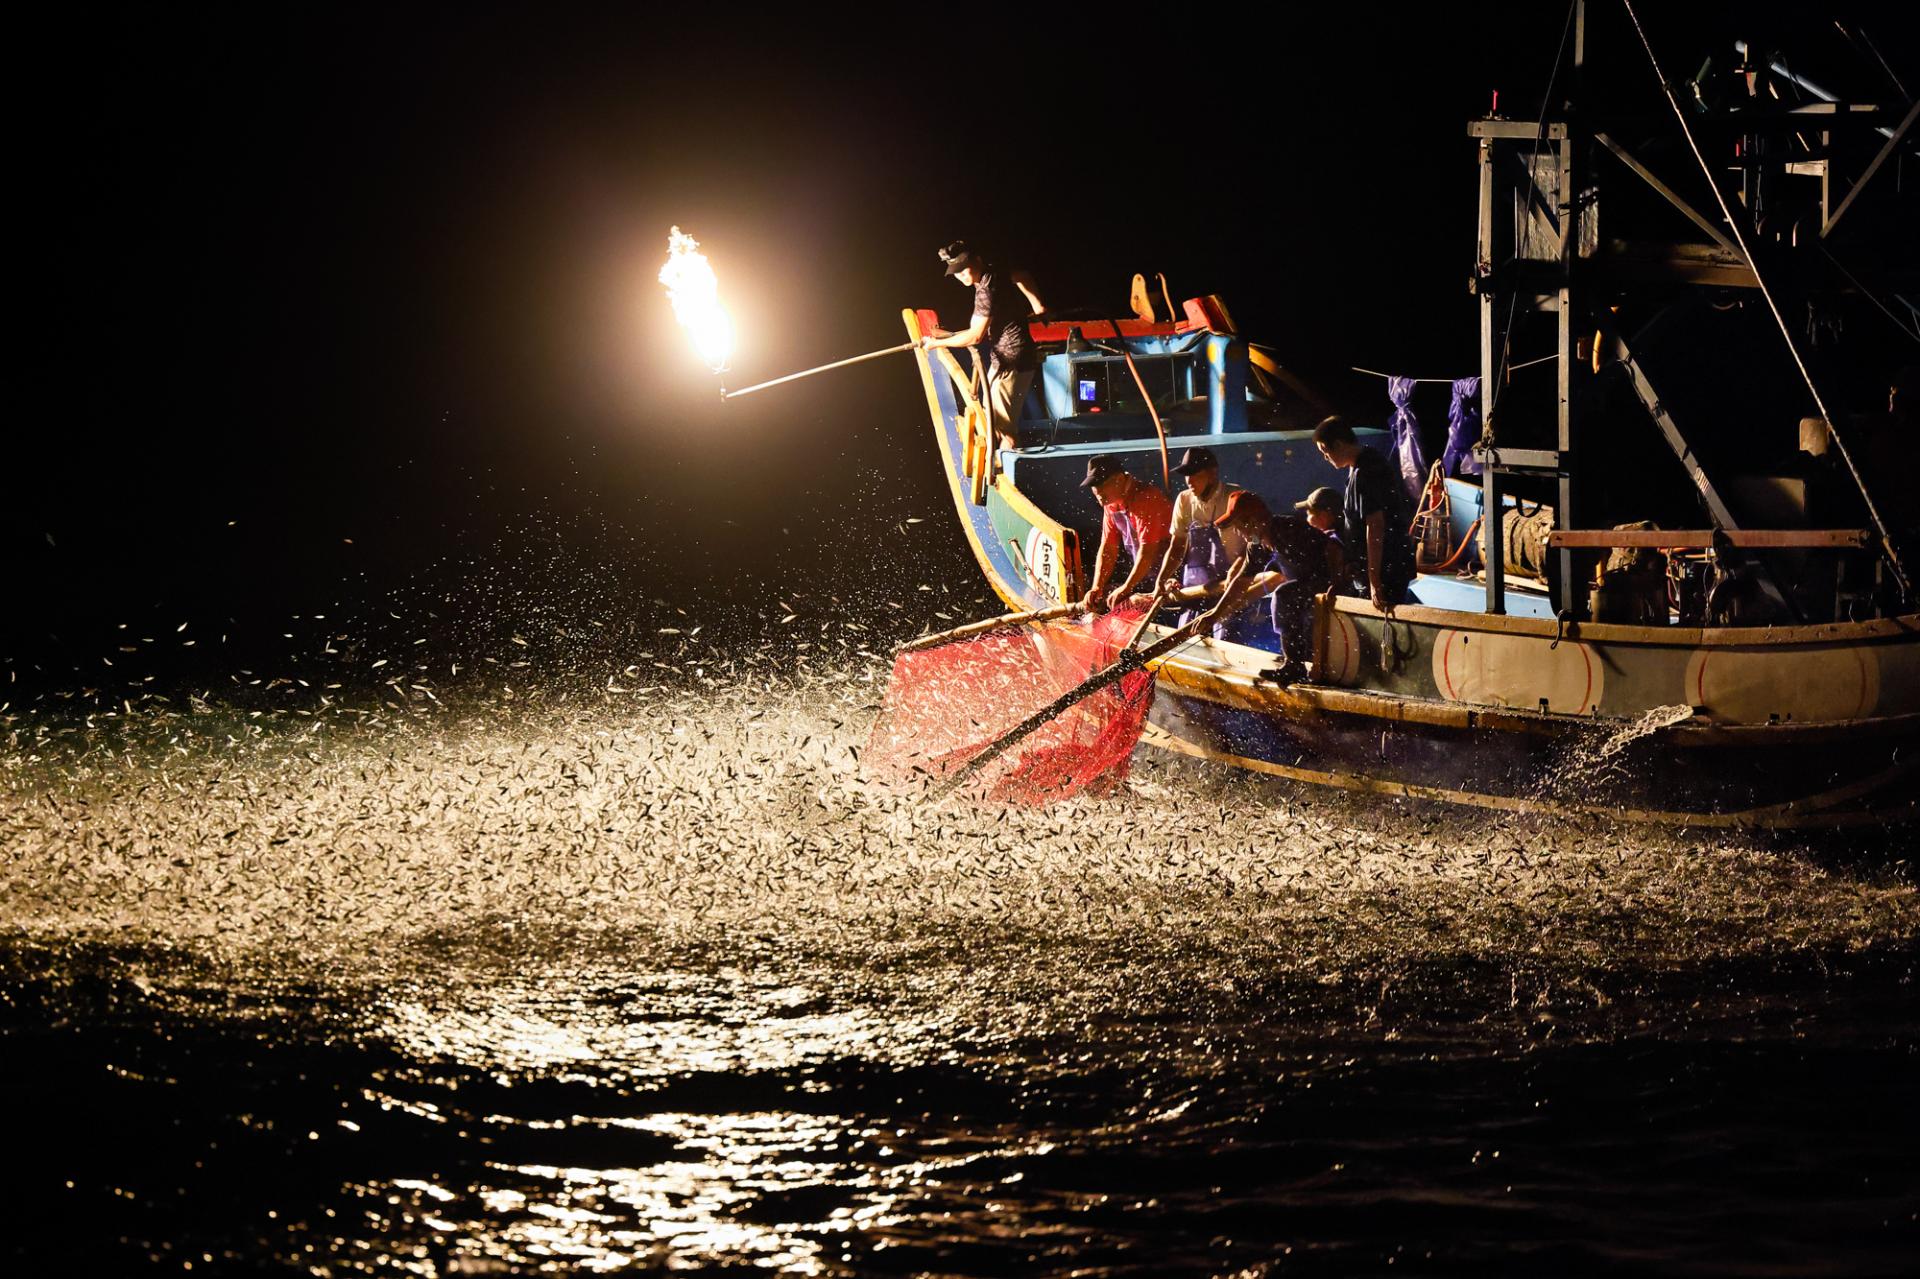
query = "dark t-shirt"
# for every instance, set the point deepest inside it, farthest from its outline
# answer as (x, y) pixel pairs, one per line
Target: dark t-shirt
(1373, 486)
(1299, 550)
(997, 297)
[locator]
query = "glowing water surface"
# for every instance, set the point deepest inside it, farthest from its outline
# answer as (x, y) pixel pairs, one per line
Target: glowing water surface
(657, 983)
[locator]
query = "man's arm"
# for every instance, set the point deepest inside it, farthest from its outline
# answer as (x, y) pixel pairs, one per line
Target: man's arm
(1240, 590)
(1376, 556)
(1176, 554)
(971, 336)
(1029, 290)
(1141, 564)
(1095, 600)
(1231, 597)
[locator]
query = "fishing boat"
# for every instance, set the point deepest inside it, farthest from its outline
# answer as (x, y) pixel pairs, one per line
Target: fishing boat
(1769, 678)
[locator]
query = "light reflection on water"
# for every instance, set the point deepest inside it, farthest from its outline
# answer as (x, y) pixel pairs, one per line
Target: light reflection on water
(635, 1026)
(578, 991)
(633, 1031)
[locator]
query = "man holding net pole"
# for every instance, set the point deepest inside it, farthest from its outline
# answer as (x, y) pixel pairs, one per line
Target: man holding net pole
(1306, 560)
(1138, 517)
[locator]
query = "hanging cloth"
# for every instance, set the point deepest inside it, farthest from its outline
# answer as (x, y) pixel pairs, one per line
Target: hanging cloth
(1463, 428)
(1409, 458)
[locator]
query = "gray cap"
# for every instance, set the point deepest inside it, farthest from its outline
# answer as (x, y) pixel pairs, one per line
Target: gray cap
(1321, 499)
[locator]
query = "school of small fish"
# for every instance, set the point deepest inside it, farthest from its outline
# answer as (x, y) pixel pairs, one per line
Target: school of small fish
(689, 785)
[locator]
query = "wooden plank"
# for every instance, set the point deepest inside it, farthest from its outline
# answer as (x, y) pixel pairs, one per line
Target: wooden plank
(1520, 459)
(1703, 539)
(1878, 628)
(1096, 330)
(1524, 129)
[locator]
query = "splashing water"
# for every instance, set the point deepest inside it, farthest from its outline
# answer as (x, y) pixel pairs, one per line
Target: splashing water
(1591, 762)
(1649, 722)
(694, 291)
(747, 808)
(658, 979)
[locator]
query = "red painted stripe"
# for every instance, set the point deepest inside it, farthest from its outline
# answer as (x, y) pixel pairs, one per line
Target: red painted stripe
(1105, 329)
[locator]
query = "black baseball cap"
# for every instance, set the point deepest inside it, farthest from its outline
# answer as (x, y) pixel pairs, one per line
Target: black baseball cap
(956, 255)
(1100, 468)
(1196, 460)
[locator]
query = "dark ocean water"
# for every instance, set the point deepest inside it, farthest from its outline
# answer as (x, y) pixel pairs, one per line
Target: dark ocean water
(655, 982)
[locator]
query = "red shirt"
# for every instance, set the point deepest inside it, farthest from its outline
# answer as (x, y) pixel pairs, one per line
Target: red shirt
(1141, 518)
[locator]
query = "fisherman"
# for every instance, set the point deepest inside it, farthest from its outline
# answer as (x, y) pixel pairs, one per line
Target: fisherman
(1305, 550)
(1197, 553)
(1002, 302)
(1138, 516)
(1375, 515)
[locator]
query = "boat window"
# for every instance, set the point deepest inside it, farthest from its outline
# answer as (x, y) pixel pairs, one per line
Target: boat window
(1102, 384)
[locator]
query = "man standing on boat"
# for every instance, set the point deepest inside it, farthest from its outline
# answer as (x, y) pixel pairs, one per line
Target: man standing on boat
(1302, 547)
(1375, 514)
(1002, 303)
(1138, 516)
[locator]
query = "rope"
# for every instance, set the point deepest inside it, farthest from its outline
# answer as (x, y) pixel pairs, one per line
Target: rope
(1448, 381)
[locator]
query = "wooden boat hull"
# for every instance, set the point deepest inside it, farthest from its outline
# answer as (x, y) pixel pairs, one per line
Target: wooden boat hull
(1212, 704)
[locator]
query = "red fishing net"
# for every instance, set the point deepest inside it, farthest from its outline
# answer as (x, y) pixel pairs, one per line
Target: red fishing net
(945, 706)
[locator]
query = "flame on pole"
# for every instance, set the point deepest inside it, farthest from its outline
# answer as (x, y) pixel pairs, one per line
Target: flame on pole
(695, 294)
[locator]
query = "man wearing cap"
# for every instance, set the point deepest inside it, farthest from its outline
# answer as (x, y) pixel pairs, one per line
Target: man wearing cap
(1374, 515)
(1301, 547)
(1197, 553)
(1002, 302)
(1137, 517)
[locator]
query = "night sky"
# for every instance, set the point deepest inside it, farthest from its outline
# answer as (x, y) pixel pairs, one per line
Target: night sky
(311, 274)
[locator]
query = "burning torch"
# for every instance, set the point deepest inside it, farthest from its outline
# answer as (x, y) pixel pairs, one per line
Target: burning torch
(695, 293)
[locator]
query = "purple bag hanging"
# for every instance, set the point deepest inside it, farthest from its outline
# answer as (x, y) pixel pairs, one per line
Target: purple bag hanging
(1409, 459)
(1463, 428)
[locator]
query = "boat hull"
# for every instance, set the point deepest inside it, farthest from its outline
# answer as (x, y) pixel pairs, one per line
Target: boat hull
(1663, 768)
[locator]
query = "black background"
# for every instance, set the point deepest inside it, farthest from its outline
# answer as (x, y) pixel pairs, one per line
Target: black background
(324, 302)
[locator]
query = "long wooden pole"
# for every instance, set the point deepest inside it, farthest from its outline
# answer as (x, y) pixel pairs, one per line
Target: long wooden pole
(1183, 595)
(990, 625)
(837, 364)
